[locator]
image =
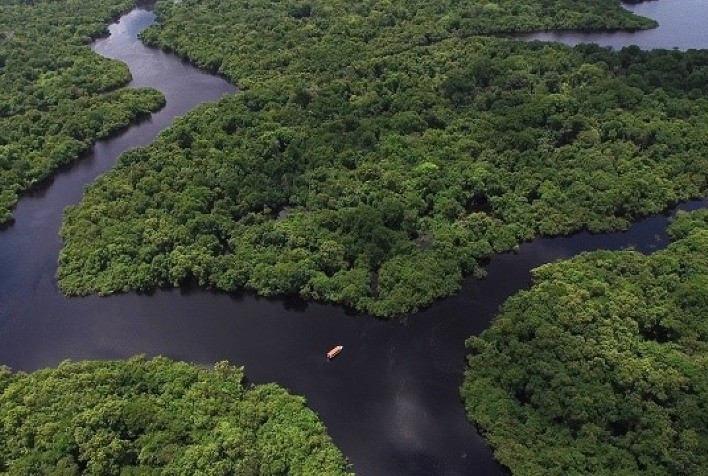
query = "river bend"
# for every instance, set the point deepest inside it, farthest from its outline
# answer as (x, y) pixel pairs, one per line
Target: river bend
(390, 402)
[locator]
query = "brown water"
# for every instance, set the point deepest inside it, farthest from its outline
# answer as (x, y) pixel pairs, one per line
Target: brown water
(390, 401)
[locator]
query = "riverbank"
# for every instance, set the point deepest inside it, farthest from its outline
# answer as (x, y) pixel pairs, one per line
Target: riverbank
(404, 163)
(58, 97)
(399, 378)
(601, 365)
(688, 17)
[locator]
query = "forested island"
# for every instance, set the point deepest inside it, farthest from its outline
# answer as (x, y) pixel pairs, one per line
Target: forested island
(155, 416)
(602, 366)
(380, 151)
(56, 96)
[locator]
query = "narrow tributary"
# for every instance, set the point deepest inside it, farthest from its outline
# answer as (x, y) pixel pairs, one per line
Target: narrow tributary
(390, 401)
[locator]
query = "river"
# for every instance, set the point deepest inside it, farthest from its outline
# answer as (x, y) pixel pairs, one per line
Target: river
(390, 401)
(682, 25)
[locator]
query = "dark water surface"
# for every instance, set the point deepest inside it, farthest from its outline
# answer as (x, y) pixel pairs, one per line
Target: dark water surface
(683, 24)
(391, 399)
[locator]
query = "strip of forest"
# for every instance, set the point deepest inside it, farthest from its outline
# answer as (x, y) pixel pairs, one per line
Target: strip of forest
(57, 97)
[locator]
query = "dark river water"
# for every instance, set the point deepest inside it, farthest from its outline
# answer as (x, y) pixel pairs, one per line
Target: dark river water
(390, 401)
(683, 24)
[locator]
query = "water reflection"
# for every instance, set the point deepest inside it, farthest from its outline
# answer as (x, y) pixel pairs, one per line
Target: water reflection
(682, 25)
(390, 401)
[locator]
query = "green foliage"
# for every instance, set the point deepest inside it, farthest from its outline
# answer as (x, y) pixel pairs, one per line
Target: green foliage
(685, 223)
(156, 417)
(378, 152)
(56, 96)
(602, 366)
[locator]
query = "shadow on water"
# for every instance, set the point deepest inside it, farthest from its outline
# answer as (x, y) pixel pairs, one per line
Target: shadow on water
(390, 401)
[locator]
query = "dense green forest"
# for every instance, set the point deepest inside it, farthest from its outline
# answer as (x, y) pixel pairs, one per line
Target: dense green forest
(381, 150)
(149, 417)
(56, 96)
(602, 366)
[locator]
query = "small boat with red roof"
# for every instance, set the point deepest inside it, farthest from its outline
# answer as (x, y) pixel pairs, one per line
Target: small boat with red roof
(335, 352)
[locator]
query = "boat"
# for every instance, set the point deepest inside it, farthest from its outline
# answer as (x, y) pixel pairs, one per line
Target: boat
(334, 352)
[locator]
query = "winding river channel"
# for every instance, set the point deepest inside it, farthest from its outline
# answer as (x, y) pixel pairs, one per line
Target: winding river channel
(390, 401)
